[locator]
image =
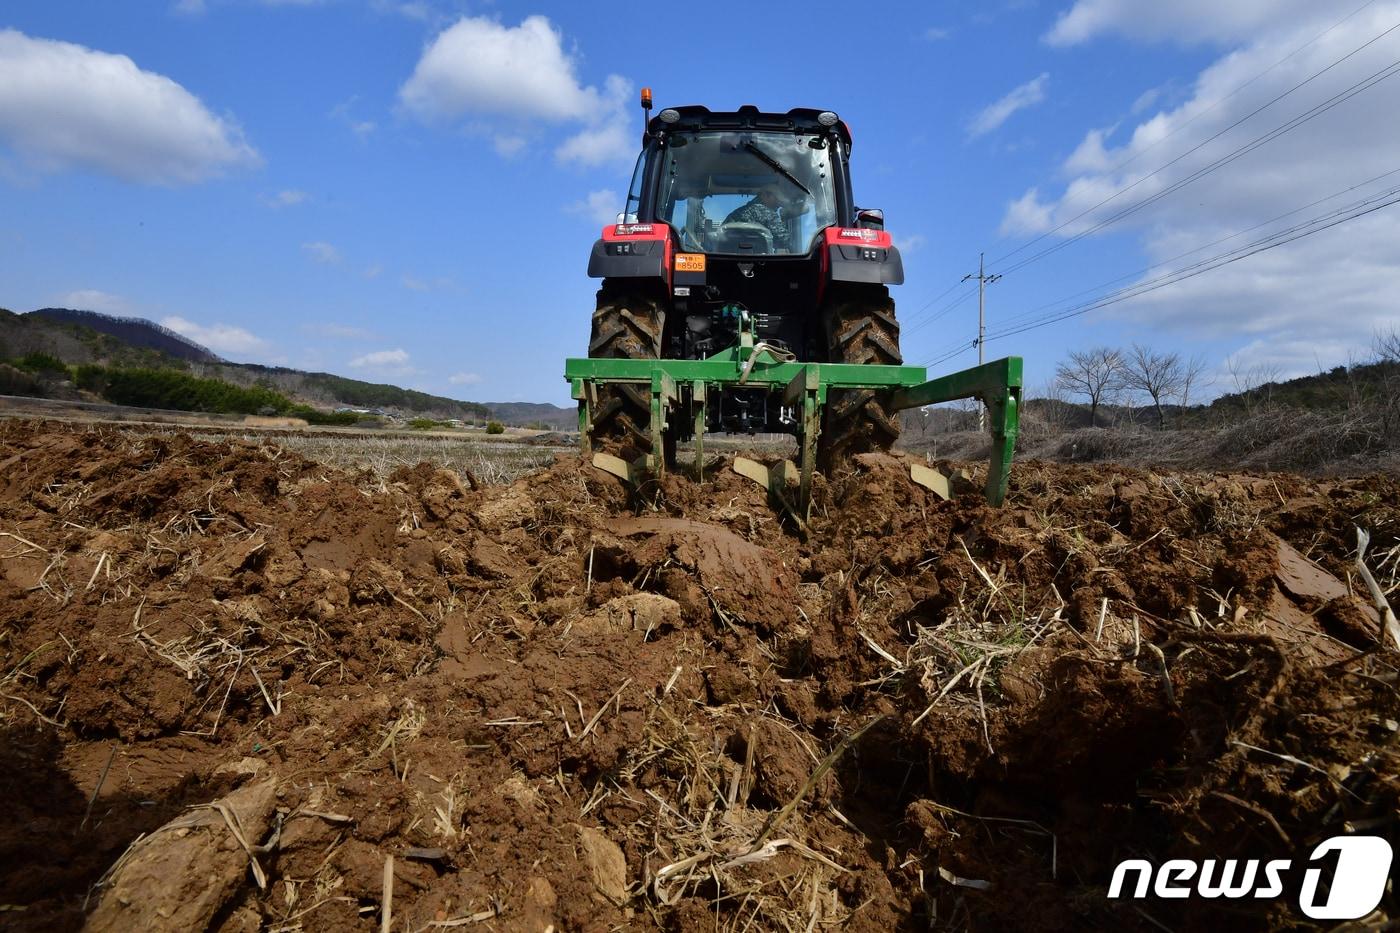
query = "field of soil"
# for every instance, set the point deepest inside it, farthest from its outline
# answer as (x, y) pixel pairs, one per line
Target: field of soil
(241, 689)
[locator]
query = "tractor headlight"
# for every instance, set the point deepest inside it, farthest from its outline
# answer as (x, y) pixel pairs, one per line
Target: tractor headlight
(669, 115)
(827, 118)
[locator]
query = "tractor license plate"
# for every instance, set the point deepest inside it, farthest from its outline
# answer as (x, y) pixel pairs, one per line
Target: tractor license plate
(690, 262)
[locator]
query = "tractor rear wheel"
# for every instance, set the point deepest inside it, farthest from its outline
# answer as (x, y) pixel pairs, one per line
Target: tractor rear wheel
(860, 328)
(627, 325)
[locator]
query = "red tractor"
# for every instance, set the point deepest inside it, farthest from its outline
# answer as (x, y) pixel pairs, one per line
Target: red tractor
(745, 221)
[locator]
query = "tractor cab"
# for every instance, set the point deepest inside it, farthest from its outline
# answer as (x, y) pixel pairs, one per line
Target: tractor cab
(744, 215)
(744, 183)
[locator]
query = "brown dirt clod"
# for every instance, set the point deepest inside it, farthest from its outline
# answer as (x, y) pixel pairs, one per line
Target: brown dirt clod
(555, 703)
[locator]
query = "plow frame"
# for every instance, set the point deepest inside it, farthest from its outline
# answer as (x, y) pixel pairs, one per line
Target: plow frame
(674, 384)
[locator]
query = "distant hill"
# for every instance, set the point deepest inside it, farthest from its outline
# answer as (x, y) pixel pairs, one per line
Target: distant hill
(527, 413)
(330, 390)
(87, 337)
(1339, 387)
(72, 343)
(134, 332)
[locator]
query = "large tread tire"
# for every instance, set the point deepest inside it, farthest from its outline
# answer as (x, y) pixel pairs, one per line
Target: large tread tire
(860, 327)
(627, 325)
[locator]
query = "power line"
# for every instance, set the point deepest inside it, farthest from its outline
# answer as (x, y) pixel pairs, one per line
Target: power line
(1224, 160)
(1364, 84)
(938, 297)
(1210, 109)
(1032, 313)
(1259, 246)
(907, 320)
(1271, 135)
(1297, 232)
(957, 302)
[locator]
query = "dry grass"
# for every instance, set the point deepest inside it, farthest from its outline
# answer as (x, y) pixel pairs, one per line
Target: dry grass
(488, 461)
(1276, 438)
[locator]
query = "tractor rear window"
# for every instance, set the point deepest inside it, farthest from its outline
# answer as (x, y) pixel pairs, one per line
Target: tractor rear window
(747, 193)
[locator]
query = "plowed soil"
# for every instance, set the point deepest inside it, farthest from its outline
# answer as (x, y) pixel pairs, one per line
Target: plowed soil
(244, 690)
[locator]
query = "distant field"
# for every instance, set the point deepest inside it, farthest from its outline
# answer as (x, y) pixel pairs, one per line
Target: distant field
(490, 461)
(489, 458)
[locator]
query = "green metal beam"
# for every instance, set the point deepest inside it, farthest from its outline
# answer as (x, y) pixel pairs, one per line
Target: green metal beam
(1005, 412)
(997, 384)
(763, 375)
(978, 382)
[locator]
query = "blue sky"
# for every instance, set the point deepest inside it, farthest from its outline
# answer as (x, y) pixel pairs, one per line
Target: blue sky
(407, 191)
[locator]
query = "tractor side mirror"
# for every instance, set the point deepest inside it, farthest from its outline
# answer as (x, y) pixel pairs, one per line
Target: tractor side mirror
(871, 218)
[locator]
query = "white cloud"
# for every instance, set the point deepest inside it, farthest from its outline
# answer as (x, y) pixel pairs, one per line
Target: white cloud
(1027, 214)
(516, 76)
(1184, 20)
(1090, 156)
(321, 251)
(937, 33)
(465, 379)
(189, 7)
(1264, 360)
(995, 114)
(598, 145)
(1303, 303)
(289, 197)
(1146, 99)
(414, 284)
(386, 360)
(910, 244)
(480, 66)
(90, 299)
(373, 271)
(221, 338)
(598, 206)
(67, 106)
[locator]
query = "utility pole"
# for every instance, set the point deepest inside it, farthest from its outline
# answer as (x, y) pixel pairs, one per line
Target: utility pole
(983, 280)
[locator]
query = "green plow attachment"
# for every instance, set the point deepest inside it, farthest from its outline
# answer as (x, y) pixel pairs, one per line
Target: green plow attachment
(683, 385)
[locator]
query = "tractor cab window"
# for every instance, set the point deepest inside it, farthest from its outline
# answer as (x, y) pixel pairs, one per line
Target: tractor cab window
(747, 193)
(634, 191)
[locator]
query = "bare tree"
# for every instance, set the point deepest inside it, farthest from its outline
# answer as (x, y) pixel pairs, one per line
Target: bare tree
(917, 419)
(1159, 376)
(1096, 374)
(1387, 349)
(1163, 377)
(1191, 372)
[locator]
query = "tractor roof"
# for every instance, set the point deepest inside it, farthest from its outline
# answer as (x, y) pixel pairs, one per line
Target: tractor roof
(748, 117)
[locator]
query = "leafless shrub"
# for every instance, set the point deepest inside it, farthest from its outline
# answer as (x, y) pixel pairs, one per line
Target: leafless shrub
(1253, 383)
(1095, 444)
(1386, 345)
(1296, 439)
